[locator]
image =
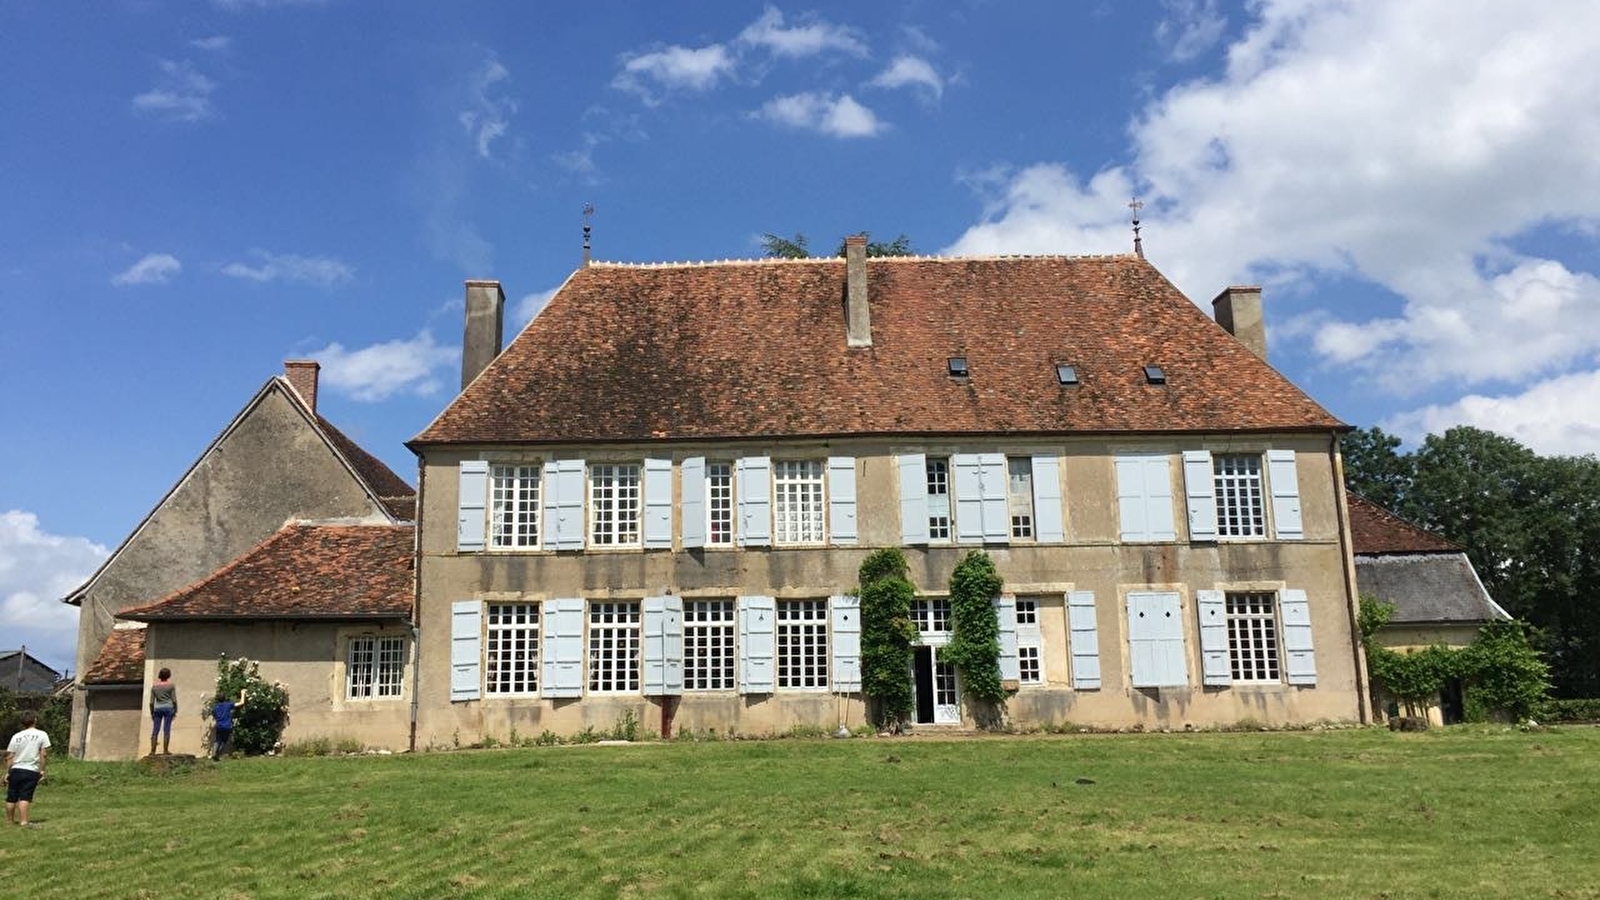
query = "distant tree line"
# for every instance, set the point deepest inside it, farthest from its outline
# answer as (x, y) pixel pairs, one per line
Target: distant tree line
(798, 247)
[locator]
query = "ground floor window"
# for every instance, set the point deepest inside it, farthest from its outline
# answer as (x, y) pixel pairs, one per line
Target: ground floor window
(1253, 636)
(708, 645)
(803, 644)
(613, 647)
(512, 660)
(375, 667)
(1030, 668)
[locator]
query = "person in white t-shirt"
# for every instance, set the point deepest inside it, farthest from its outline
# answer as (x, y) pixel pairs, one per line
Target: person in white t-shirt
(25, 764)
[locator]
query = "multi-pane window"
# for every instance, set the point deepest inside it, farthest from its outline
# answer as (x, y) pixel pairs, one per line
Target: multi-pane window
(797, 502)
(514, 506)
(375, 667)
(1019, 495)
(938, 499)
(1240, 511)
(708, 645)
(931, 615)
(511, 656)
(803, 644)
(1027, 612)
(614, 504)
(613, 647)
(719, 503)
(1028, 662)
(1253, 636)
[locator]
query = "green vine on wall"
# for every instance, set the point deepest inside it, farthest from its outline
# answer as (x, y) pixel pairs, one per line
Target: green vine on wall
(975, 630)
(887, 634)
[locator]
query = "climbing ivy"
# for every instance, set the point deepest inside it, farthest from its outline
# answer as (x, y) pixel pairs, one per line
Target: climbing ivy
(974, 630)
(887, 633)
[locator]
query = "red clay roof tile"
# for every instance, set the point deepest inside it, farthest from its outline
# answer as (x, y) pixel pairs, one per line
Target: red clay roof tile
(121, 659)
(1375, 530)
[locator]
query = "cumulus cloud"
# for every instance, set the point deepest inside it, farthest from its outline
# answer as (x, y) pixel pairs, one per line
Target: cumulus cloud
(912, 72)
(154, 268)
(1544, 417)
(530, 305)
(840, 117)
(241, 5)
(380, 371)
(489, 114)
(181, 94)
(809, 38)
(321, 271)
(1189, 28)
(37, 569)
(650, 75)
(217, 43)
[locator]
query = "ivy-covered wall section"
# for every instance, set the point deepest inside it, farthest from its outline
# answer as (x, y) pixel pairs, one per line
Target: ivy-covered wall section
(887, 634)
(974, 646)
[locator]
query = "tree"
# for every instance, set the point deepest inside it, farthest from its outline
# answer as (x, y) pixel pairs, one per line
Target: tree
(1374, 467)
(775, 247)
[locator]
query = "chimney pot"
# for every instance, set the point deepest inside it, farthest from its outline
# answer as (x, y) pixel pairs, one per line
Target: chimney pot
(302, 375)
(858, 316)
(483, 330)
(1238, 309)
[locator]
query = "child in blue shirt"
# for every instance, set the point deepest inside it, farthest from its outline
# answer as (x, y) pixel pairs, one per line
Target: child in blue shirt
(222, 721)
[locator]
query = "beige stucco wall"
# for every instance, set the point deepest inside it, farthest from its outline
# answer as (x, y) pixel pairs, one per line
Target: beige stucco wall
(1093, 558)
(1409, 637)
(114, 721)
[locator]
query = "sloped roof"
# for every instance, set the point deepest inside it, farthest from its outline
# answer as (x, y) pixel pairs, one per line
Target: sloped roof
(1374, 529)
(391, 490)
(121, 659)
(758, 348)
(304, 571)
(1427, 588)
(23, 672)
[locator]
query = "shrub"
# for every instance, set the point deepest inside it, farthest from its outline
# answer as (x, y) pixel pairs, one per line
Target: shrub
(54, 711)
(887, 634)
(258, 727)
(975, 630)
(1582, 710)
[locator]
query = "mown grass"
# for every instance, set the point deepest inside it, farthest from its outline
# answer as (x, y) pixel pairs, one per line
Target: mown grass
(1456, 813)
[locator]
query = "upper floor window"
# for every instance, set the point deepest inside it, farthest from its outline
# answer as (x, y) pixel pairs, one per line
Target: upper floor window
(514, 506)
(614, 499)
(1237, 483)
(1019, 495)
(798, 504)
(938, 499)
(719, 503)
(375, 668)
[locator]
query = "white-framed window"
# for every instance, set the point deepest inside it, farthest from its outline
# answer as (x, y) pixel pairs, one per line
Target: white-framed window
(1253, 635)
(375, 668)
(1029, 665)
(1237, 482)
(798, 502)
(511, 651)
(938, 470)
(931, 615)
(802, 644)
(514, 506)
(614, 647)
(1019, 495)
(719, 504)
(708, 650)
(614, 504)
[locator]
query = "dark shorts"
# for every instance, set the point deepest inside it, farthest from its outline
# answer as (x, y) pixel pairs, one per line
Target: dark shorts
(20, 784)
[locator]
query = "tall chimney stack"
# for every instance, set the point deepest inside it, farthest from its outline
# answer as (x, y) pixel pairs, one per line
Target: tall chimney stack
(302, 375)
(1238, 309)
(858, 317)
(480, 342)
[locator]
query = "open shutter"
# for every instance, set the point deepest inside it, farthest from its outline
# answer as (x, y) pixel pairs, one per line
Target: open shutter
(466, 631)
(755, 501)
(1299, 661)
(1131, 499)
(1048, 524)
(913, 498)
(845, 626)
(663, 646)
(842, 499)
(969, 498)
(1214, 665)
(563, 504)
(694, 502)
(471, 497)
(1084, 640)
(657, 504)
(1200, 485)
(993, 480)
(563, 647)
(758, 635)
(1155, 640)
(1005, 612)
(1285, 495)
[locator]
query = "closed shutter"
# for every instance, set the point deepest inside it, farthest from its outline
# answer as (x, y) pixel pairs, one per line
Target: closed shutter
(663, 646)
(1300, 662)
(845, 629)
(1214, 665)
(993, 481)
(694, 502)
(842, 499)
(1005, 612)
(755, 501)
(563, 504)
(758, 635)
(563, 647)
(1144, 497)
(1155, 640)
(658, 504)
(471, 497)
(1285, 495)
(466, 633)
(1084, 640)
(1048, 524)
(913, 498)
(969, 498)
(1200, 486)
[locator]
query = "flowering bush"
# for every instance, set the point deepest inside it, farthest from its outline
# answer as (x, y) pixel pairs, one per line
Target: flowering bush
(258, 726)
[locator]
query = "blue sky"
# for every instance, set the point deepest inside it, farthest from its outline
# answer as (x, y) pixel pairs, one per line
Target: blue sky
(194, 192)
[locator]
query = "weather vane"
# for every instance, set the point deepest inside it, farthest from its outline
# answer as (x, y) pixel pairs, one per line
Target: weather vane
(1138, 244)
(588, 214)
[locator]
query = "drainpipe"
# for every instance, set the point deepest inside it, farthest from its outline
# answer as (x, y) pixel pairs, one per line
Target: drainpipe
(416, 607)
(1352, 596)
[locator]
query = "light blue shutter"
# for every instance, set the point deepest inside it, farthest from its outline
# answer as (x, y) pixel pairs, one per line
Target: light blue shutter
(657, 504)
(466, 631)
(472, 495)
(1158, 518)
(1155, 640)
(758, 636)
(1214, 664)
(694, 502)
(1200, 486)
(1084, 640)
(1285, 494)
(1300, 663)
(994, 481)
(969, 497)
(1130, 498)
(842, 499)
(845, 613)
(1048, 525)
(563, 647)
(563, 504)
(755, 501)
(1005, 613)
(913, 498)
(663, 646)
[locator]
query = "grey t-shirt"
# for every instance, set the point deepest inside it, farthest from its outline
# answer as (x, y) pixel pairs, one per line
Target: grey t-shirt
(163, 695)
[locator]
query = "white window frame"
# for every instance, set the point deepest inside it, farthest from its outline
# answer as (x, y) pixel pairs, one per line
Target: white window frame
(799, 502)
(511, 648)
(1240, 495)
(514, 503)
(1030, 655)
(375, 667)
(1019, 498)
(1255, 637)
(802, 645)
(928, 614)
(941, 514)
(616, 504)
(615, 647)
(710, 650)
(719, 489)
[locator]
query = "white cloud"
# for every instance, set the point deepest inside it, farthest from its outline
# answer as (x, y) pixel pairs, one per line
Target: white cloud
(240, 5)
(1553, 417)
(529, 306)
(1190, 28)
(911, 72)
(154, 268)
(376, 373)
(181, 94)
(491, 109)
(318, 270)
(809, 39)
(650, 75)
(37, 569)
(217, 43)
(840, 117)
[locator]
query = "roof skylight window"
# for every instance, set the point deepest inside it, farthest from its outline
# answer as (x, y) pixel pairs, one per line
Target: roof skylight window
(957, 367)
(1154, 375)
(1066, 374)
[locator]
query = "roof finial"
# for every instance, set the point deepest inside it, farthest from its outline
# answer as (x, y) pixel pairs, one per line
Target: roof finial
(1138, 244)
(588, 213)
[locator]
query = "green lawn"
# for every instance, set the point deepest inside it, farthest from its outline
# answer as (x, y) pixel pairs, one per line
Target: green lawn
(1456, 813)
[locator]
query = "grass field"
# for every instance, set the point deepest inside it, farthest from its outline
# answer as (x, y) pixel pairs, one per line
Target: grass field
(1365, 813)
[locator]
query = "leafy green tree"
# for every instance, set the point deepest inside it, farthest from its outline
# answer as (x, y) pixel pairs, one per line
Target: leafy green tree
(775, 247)
(886, 637)
(974, 646)
(1375, 468)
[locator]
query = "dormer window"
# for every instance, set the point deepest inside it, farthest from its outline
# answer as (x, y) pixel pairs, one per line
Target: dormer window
(1154, 375)
(1066, 374)
(957, 366)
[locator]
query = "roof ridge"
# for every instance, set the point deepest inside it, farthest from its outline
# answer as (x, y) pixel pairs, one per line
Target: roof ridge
(813, 260)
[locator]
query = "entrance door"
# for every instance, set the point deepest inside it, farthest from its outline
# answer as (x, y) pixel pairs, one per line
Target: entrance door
(938, 696)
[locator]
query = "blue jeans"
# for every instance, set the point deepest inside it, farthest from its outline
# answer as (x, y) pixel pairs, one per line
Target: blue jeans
(161, 722)
(223, 734)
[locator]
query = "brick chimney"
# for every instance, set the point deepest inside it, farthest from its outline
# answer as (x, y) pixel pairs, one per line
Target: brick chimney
(1238, 309)
(480, 342)
(302, 375)
(858, 317)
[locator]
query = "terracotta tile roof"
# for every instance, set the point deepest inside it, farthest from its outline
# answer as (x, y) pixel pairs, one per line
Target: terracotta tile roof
(392, 490)
(303, 571)
(121, 660)
(758, 349)
(1375, 530)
